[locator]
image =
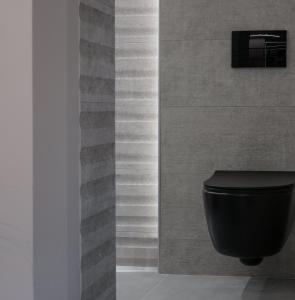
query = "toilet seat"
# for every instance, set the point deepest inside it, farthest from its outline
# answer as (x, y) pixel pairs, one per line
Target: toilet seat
(250, 181)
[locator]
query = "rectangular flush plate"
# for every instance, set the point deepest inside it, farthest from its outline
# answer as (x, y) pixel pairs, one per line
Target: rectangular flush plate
(264, 49)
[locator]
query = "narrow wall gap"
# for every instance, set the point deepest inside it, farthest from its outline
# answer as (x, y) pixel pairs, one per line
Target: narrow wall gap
(137, 34)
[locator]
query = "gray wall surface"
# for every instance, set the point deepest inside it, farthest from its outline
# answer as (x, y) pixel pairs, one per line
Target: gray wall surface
(56, 150)
(215, 117)
(137, 132)
(97, 121)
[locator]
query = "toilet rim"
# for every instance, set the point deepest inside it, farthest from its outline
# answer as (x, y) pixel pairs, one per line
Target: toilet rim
(248, 191)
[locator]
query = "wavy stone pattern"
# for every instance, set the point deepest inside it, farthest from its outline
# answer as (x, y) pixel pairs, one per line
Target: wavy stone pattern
(97, 121)
(137, 132)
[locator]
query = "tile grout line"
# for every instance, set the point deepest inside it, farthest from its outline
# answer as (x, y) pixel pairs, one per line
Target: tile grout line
(155, 286)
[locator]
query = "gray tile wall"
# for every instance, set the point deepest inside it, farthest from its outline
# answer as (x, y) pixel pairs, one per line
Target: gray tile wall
(137, 132)
(97, 121)
(215, 117)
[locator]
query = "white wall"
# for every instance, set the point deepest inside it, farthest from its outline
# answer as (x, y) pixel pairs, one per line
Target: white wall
(16, 135)
(39, 131)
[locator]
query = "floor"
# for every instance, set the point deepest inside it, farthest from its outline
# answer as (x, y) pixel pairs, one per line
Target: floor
(152, 286)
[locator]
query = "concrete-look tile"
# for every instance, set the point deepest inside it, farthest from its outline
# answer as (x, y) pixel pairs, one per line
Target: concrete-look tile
(96, 68)
(92, 137)
(133, 175)
(97, 51)
(125, 38)
(94, 222)
(96, 255)
(137, 253)
(137, 68)
(135, 285)
(94, 239)
(137, 211)
(199, 73)
(137, 262)
(135, 4)
(198, 139)
(187, 223)
(182, 256)
(109, 294)
(148, 113)
(95, 283)
(96, 205)
(96, 120)
(137, 152)
(92, 172)
(90, 191)
(182, 189)
(136, 194)
(105, 6)
(97, 154)
(201, 19)
(134, 24)
(136, 50)
(176, 287)
(136, 132)
(91, 32)
(97, 86)
(269, 289)
(199, 288)
(136, 88)
(96, 17)
(97, 106)
(96, 60)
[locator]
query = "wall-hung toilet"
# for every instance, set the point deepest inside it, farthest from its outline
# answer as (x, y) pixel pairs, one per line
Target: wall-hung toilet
(249, 213)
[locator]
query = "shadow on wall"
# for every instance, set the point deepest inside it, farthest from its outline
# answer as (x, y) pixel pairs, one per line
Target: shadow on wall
(269, 289)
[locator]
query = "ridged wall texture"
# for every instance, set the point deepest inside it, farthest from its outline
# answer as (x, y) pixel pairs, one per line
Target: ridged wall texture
(97, 121)
(215, 117)
(137, 132)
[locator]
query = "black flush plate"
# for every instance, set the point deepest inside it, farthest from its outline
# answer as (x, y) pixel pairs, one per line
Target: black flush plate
(264, 49)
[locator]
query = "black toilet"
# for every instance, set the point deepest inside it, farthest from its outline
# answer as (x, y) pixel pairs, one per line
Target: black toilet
(249, 213)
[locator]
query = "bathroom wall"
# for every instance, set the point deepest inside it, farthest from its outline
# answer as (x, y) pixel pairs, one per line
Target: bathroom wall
(137, 132)
(55, 148)
(215, 117)
(16, 132)
(97, 121)
(39, 131)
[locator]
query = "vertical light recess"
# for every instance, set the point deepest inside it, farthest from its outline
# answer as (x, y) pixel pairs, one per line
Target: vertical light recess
(137, 35)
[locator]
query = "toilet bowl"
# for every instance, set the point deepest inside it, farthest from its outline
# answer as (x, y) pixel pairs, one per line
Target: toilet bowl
(249, 213)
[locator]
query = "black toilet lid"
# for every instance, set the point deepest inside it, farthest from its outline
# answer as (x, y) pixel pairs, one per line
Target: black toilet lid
(250, 180)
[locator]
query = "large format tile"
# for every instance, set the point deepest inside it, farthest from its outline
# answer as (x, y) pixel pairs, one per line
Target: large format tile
(134, 286)
(215, 19)
(184, 222)
(182, 189)
(215, 117)
(194, 140)
(222, 288)
(176, 287)
(105, 6)
(199, 73)
(195, 256)
(199, 288)
(269, 289)
(96, 17)
(136, 6)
